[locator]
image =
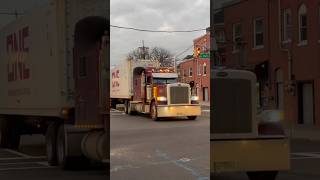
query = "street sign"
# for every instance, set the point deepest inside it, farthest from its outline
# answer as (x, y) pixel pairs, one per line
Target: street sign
(204, 55)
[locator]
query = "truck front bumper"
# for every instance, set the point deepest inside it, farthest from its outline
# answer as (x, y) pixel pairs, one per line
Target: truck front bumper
(243, 155)
(179, 110)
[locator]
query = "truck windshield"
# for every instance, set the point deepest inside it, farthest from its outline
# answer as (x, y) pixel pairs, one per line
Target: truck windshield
(164, 80)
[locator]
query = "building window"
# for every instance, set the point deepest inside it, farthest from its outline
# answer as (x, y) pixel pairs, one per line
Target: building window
(258, 33)
(303, 24)
(190, 71)
(237, 33)
(199, 69)
(286, 25)
(204, 69)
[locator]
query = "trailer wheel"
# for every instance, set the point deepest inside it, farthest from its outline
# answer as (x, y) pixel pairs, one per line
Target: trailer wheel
(61, 148)
(154, 112)
(51, 143)
(4, 139)
(66, 161)
(262, 175)
(130, 111)
(126, 104)
(9, 134)
(14, 141)
(192, 117)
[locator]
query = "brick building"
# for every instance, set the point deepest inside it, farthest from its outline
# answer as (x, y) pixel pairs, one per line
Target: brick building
(280, 41)
(197, 69)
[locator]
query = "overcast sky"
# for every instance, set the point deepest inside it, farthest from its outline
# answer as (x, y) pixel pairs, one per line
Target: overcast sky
(156, 15)
(145, 14)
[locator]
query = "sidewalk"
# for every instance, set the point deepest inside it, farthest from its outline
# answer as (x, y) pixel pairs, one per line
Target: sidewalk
(304, 132)
(205, 103)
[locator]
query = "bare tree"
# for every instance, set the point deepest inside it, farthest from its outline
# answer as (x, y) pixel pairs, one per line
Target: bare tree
(163, 55)
(138, 54)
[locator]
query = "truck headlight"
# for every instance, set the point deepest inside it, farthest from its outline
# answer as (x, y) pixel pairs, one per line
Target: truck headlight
(161, 98)
(271, 116)
(194, 98)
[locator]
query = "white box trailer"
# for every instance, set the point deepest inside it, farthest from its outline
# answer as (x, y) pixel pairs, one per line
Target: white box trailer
(121, 78)
(44, 72)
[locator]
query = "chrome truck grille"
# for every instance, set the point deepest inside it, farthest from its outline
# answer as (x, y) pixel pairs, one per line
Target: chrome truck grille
(179, 95)
(232, 106)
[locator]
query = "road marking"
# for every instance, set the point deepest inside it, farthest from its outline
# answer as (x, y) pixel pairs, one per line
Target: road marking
(182, 163)
(18, 153)
(22, 161)
(306, 155)
(206, 110)
(26, 168)
(23, 158)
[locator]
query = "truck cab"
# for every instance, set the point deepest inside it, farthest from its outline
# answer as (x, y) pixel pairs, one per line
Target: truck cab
(157, 92)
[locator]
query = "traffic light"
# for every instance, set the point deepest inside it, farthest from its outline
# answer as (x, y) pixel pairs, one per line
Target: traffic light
(197, 52)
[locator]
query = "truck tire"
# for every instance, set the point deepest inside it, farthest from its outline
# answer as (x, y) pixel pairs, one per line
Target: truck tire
(14, 141)
(51, 143)
(130, 111)
(62, 158)
(4, 138)
(66, 161)
(9, 134)
(126, 107)
(262, 175)
(154, 112)
(192, 117)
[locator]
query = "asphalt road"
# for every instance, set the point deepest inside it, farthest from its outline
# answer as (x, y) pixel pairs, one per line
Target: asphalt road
(30, 163)
(168, 149)
(142, 149)
(179, 149)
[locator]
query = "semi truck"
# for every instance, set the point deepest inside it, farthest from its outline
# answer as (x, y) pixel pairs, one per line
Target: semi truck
(142, 86)
(242, 137)
(54, 65)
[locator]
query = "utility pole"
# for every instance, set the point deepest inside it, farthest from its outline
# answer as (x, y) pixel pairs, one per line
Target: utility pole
(143, 50)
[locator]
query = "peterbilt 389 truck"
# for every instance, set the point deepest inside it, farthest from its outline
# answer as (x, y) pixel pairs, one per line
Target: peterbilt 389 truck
(145, 87)
(54, 69)
(244, 138)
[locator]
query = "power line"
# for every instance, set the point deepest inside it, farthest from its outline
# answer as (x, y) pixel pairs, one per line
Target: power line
(184, 51)
(158, 31)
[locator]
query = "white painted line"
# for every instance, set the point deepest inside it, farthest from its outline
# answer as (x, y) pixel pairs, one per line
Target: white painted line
(307, 154)
(16, 163)
(18, 153)
(45, 163)
(27, 168)
(206, 110)
(23, 158)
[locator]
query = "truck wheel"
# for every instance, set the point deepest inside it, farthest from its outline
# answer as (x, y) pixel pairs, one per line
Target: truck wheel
(4, 140)
(66, 161)
(14, 141)
(262, 175)
(61, 148)
(192, 117)
(51, 143)
(154, 112)
(126, 107)
(9, 134)
(130, 112)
